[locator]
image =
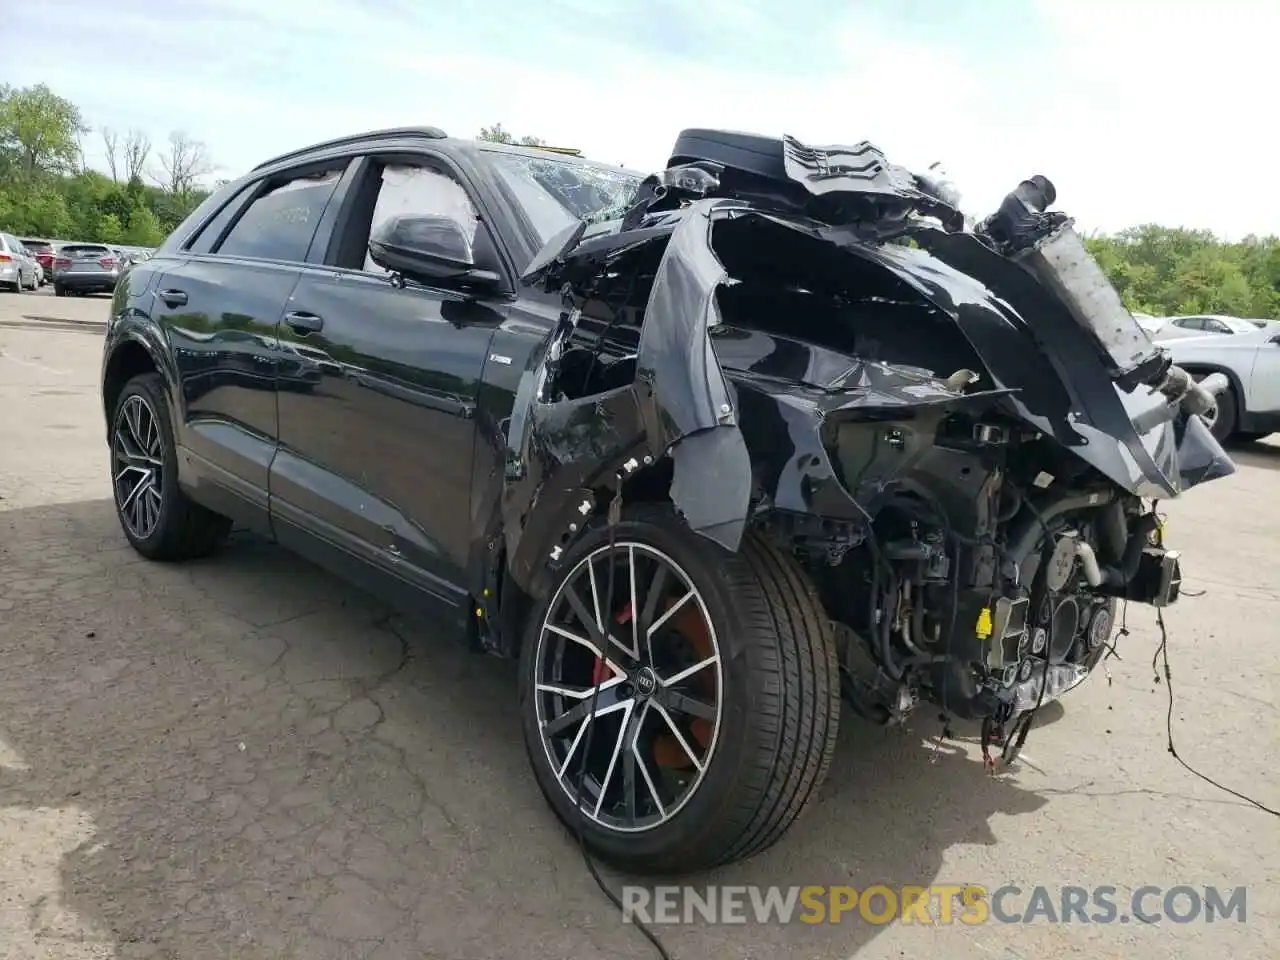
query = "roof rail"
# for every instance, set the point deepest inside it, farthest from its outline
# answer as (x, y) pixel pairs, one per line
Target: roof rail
(427, 133)
(567, 151)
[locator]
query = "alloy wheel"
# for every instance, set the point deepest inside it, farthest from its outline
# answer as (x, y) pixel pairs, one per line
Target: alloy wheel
(138, 466)
(660, 676)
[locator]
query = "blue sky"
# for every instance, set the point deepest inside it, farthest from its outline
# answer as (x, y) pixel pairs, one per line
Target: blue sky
(1138, 110)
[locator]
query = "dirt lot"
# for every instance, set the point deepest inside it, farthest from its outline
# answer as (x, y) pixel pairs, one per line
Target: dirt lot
(243, 758)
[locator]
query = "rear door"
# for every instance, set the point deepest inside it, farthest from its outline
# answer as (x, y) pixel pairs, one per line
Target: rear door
(377, 458)
(220, 308)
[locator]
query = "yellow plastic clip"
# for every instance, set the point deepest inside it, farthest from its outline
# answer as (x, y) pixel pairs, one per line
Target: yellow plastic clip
(984, 627)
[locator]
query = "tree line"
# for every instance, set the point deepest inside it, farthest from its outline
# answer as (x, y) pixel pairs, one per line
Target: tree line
(47, 190)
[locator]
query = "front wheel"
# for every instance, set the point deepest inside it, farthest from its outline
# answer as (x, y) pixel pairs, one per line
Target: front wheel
(1222, 421)
(718, 698)
(160, 521)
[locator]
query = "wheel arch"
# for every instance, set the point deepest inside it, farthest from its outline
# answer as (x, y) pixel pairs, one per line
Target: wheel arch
(1208, 366)
(129, 357)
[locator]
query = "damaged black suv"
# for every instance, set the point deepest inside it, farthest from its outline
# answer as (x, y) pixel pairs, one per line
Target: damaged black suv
(715, 451)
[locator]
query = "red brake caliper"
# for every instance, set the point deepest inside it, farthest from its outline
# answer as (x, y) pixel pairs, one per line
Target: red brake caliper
(600, 671)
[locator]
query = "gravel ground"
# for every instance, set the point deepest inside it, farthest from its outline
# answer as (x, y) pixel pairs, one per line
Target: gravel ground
(244, 758)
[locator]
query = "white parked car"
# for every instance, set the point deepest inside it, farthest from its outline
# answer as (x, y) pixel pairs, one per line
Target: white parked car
(1203, 323)
(1250, 359)
(1149, 323)
(18, 269)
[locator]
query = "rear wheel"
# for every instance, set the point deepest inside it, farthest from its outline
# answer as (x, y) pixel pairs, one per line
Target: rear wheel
(719, 695)
(160, 521)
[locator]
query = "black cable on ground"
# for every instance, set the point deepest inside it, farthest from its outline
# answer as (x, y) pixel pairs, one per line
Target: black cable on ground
(614, 515)
(1162, 655)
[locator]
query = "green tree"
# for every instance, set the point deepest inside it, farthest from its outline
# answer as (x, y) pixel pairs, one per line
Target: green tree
(144, 228)
(494, 134)
(39, 131)
(498, 134)
(109, 229)
(1172, 270)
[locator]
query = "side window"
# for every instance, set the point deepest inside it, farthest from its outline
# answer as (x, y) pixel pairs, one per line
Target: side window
(1216, 326)
(279, 224)
(404, 188)
(209, 234)
(1192, 323)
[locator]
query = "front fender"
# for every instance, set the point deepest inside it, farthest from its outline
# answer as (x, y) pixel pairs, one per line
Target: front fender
(563, 453)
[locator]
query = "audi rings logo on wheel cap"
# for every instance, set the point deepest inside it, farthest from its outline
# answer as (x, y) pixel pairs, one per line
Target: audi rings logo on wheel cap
(646, 682)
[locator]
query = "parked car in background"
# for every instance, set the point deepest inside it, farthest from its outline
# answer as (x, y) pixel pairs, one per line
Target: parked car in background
(1250, 409)
(82, 268)
(1149, 323)
(1206, 323)
(44, 251)
(19, 271)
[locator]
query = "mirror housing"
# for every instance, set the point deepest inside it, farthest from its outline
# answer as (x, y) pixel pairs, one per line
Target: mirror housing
(429, 249)
(1275, 338)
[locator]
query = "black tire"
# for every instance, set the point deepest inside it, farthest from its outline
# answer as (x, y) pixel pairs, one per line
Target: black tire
(59, 290)
(185, 530)
(1241, 436)
(1224, 425)
(780, 702)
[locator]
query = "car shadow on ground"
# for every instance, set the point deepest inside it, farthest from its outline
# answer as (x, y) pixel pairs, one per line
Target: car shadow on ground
(1259, 453)
(244, 757)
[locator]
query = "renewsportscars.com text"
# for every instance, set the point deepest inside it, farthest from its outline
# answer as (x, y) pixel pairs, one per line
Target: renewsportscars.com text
(935, 904)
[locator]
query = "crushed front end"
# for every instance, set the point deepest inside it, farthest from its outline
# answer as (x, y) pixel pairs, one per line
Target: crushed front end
(956, 431)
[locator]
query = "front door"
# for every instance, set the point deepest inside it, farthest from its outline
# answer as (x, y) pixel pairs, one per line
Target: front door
(376, 457)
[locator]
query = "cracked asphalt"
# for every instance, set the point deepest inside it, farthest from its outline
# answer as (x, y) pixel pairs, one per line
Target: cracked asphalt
(244, 758)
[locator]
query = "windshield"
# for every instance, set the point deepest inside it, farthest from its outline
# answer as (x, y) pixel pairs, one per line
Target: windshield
(556, 192)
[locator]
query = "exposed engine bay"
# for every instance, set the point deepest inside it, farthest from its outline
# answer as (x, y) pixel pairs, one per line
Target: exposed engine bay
(961, 431)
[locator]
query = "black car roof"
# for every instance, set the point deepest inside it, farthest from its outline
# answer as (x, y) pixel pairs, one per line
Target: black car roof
(436, 135)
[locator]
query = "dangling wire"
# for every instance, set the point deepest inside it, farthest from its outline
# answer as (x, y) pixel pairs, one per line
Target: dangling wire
(614, 516)
(1162, 655)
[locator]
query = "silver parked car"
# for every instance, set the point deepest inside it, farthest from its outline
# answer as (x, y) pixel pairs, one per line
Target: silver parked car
(18, 269)
(85, 268)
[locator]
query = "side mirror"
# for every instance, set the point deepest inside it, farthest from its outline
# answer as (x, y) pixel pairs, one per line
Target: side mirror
(1275, 338)
(428, 249)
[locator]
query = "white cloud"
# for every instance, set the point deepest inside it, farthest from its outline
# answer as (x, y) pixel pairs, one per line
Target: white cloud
(1138, 111)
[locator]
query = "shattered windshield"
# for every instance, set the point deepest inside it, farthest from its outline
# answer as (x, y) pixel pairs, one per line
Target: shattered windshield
(556, 191)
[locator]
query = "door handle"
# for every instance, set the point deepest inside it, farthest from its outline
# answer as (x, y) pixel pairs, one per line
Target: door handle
(174, 298)
(302, 323)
